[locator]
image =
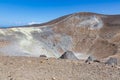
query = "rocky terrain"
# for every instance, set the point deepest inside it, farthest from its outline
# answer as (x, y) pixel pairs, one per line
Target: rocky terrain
(28, 68)
(76, 37)
(85, 34)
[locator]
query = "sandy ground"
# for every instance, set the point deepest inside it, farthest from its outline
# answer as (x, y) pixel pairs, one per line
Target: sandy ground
(22, 68)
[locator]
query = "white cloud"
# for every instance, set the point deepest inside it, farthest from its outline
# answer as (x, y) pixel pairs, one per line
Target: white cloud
(33, 23)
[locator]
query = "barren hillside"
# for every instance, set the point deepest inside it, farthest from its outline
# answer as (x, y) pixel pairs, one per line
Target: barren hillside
(81, 35)
(85, 34)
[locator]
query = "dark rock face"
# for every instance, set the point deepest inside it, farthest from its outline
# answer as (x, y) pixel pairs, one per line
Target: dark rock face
(43, 56)
(69, 55)
(91, 59)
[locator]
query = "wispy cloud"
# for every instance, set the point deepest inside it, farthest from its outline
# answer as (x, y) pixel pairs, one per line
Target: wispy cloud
(33, 23)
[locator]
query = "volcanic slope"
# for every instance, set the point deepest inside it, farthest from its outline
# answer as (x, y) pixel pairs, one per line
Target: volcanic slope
(85, 34)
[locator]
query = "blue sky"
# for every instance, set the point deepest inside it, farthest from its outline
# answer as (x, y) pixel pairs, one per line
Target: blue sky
(22, 12)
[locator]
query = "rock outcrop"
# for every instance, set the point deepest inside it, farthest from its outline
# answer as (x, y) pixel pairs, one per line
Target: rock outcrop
(68, 55)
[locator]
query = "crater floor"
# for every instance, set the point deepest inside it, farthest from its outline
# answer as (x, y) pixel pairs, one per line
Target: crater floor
(29, 68)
